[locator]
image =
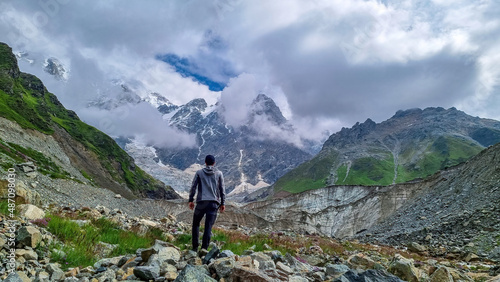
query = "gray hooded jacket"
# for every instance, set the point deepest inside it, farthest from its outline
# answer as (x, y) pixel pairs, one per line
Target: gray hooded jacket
(208, 183)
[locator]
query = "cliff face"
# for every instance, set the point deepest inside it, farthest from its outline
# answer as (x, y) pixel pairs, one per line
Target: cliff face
(37, 128)
(338, 211)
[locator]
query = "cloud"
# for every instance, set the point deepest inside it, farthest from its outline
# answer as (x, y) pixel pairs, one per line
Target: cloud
(140, 120)
(328, 64)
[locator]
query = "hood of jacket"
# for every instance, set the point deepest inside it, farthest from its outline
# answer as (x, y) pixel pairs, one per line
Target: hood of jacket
(209, 170)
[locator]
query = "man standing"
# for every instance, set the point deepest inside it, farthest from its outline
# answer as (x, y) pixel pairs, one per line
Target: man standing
(208, 183)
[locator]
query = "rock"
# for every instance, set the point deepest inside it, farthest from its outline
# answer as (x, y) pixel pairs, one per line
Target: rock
(446, 274)
(241, 273)
(194, 273)
(31, 212)
(27, 254)
(103, 249)
(29, 236)
(404, 268)
(313, 260)
(23, 276)
(360, 261)
(212, 254)
(55, 272)
(108, 275)
(441, 275)
(471, 257)
(13, 277)
(416, 247)
(297, 278)
(336, 269)
(106, 262)
(297, 265)
(283, 267)
(369, 275)
(147, 273)
(226, 253)
(265, 261)
(224, 266)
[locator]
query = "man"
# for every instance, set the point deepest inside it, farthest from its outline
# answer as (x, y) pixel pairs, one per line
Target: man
(208, 183)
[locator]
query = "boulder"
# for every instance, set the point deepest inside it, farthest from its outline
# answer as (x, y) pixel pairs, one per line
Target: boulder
(369, 275)
(265, 261)
(150, 272)
(416, 247)
(30, 212)
(336, 269)
(242, 273)
(404, 268)
(194, 273)
(29, 236)
(224, 266)
(360, 261)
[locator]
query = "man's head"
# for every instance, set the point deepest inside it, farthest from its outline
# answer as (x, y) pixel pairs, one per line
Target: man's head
(209, 160)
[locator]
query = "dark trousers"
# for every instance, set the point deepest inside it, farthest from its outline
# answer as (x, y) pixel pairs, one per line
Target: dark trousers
(209, 210)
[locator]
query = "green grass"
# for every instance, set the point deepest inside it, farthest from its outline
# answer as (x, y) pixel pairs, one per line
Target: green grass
(309, 175)
(79, 242)
(368, 171)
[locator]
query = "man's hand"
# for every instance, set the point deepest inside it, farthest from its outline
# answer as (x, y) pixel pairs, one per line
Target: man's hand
(191, 205)
(222, 208)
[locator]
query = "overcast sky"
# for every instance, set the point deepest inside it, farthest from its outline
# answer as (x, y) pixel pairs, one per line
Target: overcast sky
(328, 64)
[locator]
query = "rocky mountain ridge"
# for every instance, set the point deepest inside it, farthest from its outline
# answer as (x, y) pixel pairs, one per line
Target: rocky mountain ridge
(410, 145)
(249, 156)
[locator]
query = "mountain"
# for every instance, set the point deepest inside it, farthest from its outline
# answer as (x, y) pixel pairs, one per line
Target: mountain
(251, 156)
(38, 129)
(412, 144)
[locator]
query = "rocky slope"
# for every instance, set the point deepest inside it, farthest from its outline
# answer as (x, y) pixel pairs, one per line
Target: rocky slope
(37, 128)
(39, 255)
(459, 214)
(453, 210)
(412, 144)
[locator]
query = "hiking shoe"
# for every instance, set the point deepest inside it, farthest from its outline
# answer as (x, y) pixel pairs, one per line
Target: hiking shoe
(202, 253)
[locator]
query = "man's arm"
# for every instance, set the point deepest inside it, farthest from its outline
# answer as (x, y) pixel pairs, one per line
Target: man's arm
(192, 192)
(222, 191)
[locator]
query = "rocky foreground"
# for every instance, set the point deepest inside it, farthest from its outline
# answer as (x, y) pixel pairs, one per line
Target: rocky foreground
(165, 261)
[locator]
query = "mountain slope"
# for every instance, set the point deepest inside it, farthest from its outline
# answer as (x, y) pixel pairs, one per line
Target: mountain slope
(461, 212)
(25, 100)
(412, 144)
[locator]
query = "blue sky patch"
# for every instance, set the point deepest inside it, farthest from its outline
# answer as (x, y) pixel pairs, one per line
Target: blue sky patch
(188, 68)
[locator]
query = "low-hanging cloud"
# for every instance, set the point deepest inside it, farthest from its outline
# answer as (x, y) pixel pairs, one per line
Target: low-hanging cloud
(334, 63)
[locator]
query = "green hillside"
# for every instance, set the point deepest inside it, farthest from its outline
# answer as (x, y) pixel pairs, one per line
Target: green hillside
(365, 154)
(25, 100)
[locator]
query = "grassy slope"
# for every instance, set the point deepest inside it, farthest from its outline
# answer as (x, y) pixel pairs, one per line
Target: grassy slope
(378, 169)
(25, 100)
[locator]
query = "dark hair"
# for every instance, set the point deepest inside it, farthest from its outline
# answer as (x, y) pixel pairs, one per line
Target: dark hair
(209, 160)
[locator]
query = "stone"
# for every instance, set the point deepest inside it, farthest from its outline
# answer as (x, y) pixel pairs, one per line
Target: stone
(194, 273)
(314, 260)
(471, 257)
(226, 253)
(29, 236)
(13, 277)
(224, 266)
(360, 261)
(27, 254)
(241, 273)
(297, 278)
(371, 275)
(55, 272)
(416, 247)
(149, 272)
(285, 268)
(103, 249)
(212, 254)
(441, 275)
(106, 262)
(108, 275)
(404, 268)
(336, 269)
(265, 261)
